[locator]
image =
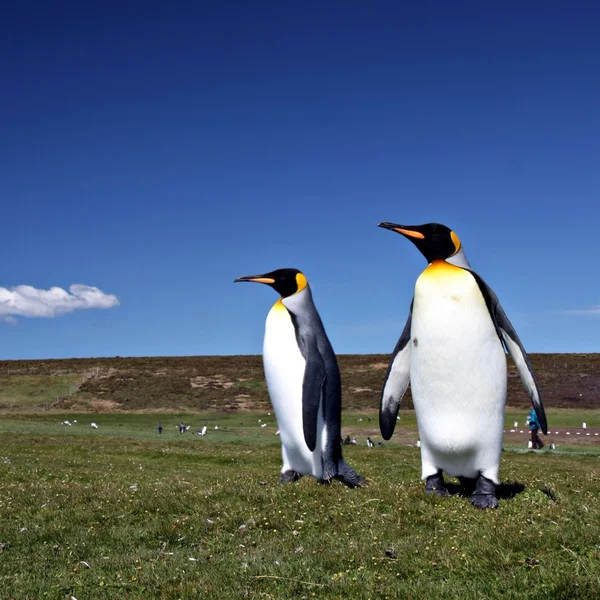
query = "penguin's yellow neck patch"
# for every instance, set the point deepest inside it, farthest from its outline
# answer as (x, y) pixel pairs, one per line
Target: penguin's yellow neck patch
(439, 269)
(278, 306)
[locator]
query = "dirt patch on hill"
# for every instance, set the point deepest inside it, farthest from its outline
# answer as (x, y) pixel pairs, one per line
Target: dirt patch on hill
(214, 382)
(91, 404)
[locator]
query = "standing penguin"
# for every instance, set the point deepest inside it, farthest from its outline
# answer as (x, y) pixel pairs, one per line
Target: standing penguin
(451, 352)
(304, 383)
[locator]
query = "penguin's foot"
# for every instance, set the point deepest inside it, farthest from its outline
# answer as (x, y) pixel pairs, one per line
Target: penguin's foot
(434, 484)
(484, 495)
(289, 476)
(354, 480)
(350, 477)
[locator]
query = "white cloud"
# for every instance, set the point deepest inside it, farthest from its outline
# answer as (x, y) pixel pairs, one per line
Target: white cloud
(590, 310)
(27, 301)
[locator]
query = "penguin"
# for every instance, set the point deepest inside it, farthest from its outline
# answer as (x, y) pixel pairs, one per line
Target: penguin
(370, 442)
(303, 381)
(452, 352)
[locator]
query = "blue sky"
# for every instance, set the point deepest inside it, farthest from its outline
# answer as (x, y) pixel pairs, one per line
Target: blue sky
(156, 151)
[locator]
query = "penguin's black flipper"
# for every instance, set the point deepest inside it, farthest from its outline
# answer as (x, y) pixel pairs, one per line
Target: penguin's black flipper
(508, 335)
(313, 387)
(396, 382)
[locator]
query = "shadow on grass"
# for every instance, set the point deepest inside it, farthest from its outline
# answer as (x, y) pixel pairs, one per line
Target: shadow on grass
(509, 489)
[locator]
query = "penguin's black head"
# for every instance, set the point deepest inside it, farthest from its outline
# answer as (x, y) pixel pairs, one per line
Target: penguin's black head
(435, 241)
(286, 282)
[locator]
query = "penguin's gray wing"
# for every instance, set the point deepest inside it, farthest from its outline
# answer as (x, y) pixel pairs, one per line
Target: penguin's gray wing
(315, 375)
(396, 382)
(508, 335)
(313, 385)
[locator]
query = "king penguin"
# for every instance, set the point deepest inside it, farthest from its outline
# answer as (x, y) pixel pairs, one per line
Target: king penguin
(304, 382)
(452, 352)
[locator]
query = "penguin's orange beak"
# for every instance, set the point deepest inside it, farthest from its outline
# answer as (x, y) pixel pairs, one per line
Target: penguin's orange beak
(405, 230)
(255, 278)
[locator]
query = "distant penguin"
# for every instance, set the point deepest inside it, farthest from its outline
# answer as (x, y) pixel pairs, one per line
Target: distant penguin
(159, 428)
(370, 442)
(204, 429)
(451, 352)
(304, 383)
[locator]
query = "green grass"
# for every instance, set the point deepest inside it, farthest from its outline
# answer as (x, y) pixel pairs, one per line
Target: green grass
(121, 512)
(28, 391)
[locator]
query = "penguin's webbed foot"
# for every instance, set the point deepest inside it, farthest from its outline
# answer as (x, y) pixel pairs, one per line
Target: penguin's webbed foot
(484, 495)
(289, 476)
(353, 481)
(350, 477)
(434, 484)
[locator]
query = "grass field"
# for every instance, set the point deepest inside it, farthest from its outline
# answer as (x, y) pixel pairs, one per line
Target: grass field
(121, 512)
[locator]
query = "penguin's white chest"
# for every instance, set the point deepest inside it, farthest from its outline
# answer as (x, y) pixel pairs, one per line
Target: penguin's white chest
(457, 372)
(284, 371)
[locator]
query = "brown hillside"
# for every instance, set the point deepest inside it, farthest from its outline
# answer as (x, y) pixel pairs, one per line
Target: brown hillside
(237, 382)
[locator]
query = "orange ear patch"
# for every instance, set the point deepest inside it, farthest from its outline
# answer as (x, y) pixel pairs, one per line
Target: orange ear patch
(301, 282)
(455, 241)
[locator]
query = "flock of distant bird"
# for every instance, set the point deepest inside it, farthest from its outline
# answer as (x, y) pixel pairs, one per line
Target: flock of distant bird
(346, 441)
(69, 424)
(183, 428)
(202, 432)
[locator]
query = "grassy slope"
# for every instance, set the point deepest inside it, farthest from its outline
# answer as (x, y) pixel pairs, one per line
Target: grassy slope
(35, 390)
(120, 511)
